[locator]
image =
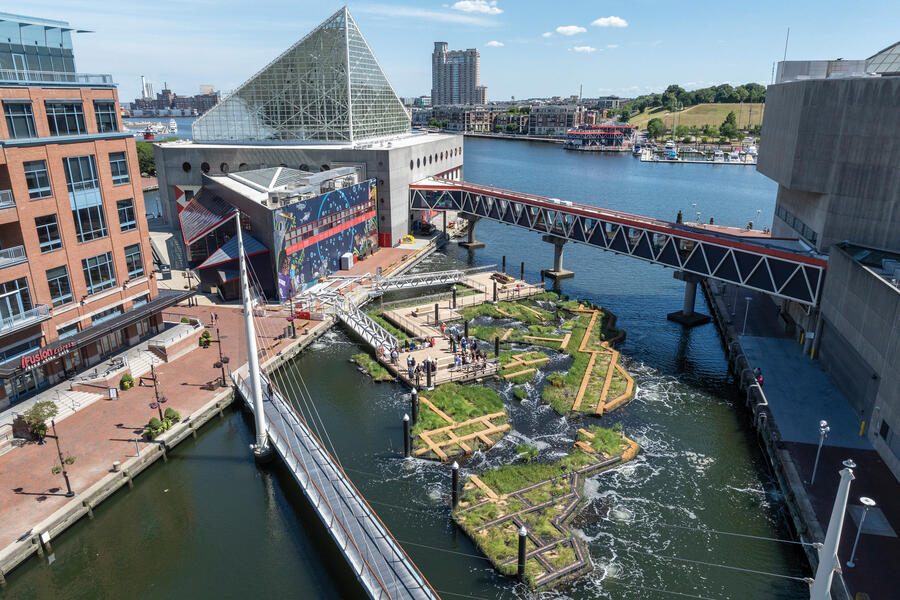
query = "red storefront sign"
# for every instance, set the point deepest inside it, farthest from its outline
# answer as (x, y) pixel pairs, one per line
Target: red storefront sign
(45, 355)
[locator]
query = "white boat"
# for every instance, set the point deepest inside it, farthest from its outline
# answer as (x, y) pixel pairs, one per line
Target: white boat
(752, 150)
(734, 156)
(718, 156)
(173, 126)
(670, 145)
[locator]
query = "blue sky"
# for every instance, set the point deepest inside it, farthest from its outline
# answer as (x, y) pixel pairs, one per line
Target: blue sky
(528, 47)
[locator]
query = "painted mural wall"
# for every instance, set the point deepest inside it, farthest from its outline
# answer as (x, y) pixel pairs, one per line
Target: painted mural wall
(311, 235)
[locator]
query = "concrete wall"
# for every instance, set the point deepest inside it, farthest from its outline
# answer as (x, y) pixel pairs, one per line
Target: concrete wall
(864, 311)
(394, 168)
(832, 147)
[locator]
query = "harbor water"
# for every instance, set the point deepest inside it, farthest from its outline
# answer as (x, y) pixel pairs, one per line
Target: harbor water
(210, 524)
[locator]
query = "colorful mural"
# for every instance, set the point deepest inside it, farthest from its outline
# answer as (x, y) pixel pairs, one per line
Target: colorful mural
(311, 235)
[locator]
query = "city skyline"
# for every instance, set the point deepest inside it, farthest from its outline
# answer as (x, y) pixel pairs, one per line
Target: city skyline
(625, 51)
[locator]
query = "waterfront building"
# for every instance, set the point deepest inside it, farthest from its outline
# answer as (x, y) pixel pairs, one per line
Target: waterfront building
(168, 104)
(338, 110)
(297, 227)
(466, 118)
(613, 136)
(830, 144)
(554, 120)
(455, 76)
(76, 271)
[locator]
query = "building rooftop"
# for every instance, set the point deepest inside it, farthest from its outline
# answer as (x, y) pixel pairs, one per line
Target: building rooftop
(277, 186)
(328, 87)
(885, 62)
(883, 263)
(405, 141)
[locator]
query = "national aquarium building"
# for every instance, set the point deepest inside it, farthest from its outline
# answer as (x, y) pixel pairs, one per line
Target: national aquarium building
(323, 106)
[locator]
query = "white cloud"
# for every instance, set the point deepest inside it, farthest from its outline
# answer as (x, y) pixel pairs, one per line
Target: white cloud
(570, 30)
(612, 46)
(414, 12)
(546, 34)
(478, 6)
(610, 22)
(494, 44)
(584, 49)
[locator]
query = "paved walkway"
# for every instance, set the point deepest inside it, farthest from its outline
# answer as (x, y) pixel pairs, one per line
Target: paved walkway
(105, 431)
(800, 394)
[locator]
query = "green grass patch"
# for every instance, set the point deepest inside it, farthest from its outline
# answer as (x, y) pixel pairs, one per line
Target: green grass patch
(526, 451)
(460, 403)
(606, 439)
(510, 478)
(373, 367)
(375, 315)
(520, 393)
(561, 556)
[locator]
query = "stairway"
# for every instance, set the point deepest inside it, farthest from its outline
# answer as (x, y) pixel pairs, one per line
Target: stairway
(70, 401)
(140, 361)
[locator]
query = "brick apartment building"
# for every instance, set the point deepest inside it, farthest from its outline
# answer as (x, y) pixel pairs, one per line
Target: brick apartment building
(76, 269)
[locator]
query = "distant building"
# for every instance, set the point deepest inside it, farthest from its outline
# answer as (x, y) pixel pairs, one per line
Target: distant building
(169, 104)
(831, 145)
(554, 120)
(465, 118)
(455, 76)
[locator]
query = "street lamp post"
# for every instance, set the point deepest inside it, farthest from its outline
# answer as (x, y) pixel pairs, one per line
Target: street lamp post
(824, 430)
(157, 404)
(867, 504)
(746, 313)
(223, 360)
(62, 462)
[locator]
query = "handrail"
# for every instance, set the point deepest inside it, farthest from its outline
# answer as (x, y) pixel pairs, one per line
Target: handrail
(39, 312)
(6, 199)
(28, 76)
(12, 255)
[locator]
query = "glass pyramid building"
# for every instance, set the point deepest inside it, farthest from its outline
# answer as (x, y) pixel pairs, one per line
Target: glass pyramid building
(328, 87)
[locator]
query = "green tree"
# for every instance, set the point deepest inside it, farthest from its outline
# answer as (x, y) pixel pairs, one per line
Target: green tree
(729, 128)
(146, 160)
(656, 128)
(624, 115)
(711, 130)
(512, 128)
(38, 415)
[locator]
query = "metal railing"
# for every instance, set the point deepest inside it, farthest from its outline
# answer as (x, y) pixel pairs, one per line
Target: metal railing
(27, 76)
(6, 199)
(39, 313)
(12, 256)
(180, 334)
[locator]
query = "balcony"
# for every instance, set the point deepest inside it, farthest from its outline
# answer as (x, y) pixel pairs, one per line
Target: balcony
(25, 77)
(6, 199)
(39, 313)
(12, 256)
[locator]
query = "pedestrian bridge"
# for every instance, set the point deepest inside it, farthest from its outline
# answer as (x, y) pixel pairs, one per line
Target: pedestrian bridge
(781, 267)
(380, 564)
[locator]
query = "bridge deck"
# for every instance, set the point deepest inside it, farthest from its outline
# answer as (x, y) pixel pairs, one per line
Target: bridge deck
(380, 564)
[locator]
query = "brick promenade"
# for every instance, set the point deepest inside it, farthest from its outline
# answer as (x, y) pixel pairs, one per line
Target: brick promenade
(105, 431)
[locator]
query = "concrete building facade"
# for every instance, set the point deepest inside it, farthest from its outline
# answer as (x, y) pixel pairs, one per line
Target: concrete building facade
(455, 76)
(831, 145)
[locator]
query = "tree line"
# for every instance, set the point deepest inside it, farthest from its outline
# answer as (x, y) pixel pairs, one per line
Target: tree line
(676, 97)
(728, 130)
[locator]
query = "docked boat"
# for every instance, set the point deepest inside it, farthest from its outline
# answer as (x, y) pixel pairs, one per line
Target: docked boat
(718, 156)
(173, 126)
(734, 156)
(636, 151)
(752, 150)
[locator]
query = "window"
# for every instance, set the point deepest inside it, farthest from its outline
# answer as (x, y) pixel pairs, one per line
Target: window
(14, 298)
(48, 233)
(134, 262)
(126, 214)
(106, 315)
(60, 290)
(65, 118)
(37, 178)
(118, 164)
(64, 332)
(84, 197)
(106, 116)
(19, 120)
(140, 301)
(99, 274)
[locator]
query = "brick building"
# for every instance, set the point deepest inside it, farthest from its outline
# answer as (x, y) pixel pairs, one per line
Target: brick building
(76, 271)
(555, 120)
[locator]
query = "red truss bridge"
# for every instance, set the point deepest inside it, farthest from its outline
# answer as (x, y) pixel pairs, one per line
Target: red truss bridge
(786, 268)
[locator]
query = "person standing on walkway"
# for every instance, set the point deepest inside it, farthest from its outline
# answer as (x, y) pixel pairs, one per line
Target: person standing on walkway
(463, 343)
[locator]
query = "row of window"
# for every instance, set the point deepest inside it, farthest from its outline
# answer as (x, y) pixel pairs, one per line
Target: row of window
(331, 221)
(81, 171)
(796, 224)
(86, 220)
(64, 117)
(430, 158)
(99, 274)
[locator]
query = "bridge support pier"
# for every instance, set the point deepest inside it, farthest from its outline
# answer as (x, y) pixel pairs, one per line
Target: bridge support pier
(687, 316)
(470, 242)
(557, 273)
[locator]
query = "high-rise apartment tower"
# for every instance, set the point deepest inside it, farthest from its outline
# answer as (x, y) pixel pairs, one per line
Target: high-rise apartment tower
(454, 76)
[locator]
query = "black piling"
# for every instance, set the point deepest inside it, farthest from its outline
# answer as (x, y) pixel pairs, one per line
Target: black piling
(437, 313)
(414, 405)
(428, 374)
(454, 477)
(406, 438)
(496, 347)
(522, 273)
(503, 268)
(523, 537)
(466, 329)
(453, 293)
(495, 290)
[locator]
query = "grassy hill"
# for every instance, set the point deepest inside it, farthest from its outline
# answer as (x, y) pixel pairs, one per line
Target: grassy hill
(701, 114)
